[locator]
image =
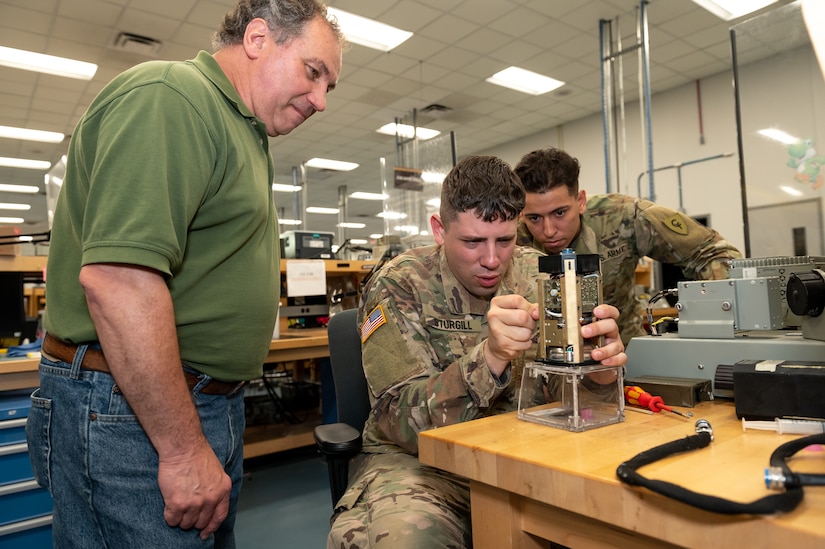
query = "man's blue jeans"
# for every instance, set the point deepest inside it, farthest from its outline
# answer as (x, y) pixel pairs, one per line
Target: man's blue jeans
(89, 450)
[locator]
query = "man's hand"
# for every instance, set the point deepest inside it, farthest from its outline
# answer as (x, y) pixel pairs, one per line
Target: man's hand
(511, 321)
(612, 352)
(121, 298)
(195, 491)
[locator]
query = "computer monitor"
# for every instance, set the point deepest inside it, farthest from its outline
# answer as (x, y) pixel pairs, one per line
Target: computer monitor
(12, 306)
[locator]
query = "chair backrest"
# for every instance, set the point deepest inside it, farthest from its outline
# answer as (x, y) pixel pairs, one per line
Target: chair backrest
(351, 392)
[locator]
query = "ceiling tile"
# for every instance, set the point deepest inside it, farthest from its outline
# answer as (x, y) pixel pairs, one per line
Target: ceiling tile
(483, 40)
(457, 45)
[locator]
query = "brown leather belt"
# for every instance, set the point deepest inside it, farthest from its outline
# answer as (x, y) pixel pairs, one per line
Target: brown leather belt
(95, 361)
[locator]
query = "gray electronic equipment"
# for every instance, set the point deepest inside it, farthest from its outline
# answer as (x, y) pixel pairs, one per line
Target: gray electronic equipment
(307, 244)
(720, 308)
(722, 322)
(695, 358)
(781, 268)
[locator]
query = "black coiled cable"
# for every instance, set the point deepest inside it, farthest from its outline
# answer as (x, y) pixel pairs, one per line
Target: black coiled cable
(781, 477)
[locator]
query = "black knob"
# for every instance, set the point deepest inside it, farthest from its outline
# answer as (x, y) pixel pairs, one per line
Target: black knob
(806, 293)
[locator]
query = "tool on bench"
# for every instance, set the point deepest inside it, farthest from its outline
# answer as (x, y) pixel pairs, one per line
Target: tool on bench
(637, 396)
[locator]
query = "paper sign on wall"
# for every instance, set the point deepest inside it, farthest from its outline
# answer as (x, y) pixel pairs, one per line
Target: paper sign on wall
(306, 278)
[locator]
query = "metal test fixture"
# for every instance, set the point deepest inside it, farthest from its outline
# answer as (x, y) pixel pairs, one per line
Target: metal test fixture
(763, 327)
(560, 388)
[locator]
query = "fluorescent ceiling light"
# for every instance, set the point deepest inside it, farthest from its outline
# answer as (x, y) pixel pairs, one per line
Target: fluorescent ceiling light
(11, 220)
(790, 190)
(24, 163)
(316, 210)
(348, 225)
(327, 164)
(368, 32)
(49, 64)
(368, 196)
(31, 135)
(289, 221)
(731, 9)
(392, 215)
(376, 236)
(281, 188)
(12, 206)
(357, 241)
(405, 130)
(779, 135)
(525, 81)
(434, 202)
(411, 229)
(28, 189)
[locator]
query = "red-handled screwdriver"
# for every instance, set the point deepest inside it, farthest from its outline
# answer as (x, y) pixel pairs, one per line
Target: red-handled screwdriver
(634, 394)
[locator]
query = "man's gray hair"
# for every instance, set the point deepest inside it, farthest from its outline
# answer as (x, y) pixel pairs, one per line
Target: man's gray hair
(285, 18)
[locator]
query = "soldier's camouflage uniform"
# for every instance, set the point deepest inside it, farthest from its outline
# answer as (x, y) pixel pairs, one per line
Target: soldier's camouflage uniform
(423, 357)
(622, 229)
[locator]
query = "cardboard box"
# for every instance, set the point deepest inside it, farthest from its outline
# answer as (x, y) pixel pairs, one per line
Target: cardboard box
(7, 235)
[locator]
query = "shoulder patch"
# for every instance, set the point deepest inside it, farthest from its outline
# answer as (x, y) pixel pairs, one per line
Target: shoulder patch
(676, 223)
(375, 320)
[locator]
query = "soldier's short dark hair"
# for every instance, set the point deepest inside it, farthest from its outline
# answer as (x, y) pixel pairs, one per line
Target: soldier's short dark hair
(546, 169)
(286, 20)
(485, 185)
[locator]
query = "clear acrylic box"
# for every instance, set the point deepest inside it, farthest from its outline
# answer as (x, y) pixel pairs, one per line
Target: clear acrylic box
(571, 397)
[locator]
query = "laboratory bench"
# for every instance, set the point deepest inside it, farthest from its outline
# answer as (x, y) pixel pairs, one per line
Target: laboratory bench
(294, 349)
(297, 349)
(530, 483)
(342, 275)
(25, 508)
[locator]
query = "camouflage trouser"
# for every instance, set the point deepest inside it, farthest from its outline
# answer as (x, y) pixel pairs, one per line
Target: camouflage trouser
(393, 501)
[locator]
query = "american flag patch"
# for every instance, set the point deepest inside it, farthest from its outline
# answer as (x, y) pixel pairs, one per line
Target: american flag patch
(372, 323)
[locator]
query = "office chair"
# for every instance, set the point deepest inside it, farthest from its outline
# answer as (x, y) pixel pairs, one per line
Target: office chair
(339, 442)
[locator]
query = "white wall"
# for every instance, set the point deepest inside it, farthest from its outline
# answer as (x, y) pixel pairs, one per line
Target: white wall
(785, 91)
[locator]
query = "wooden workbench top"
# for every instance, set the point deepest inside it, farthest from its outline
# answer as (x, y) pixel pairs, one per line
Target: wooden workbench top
(16, 373)
(577, 472)
(293, 339)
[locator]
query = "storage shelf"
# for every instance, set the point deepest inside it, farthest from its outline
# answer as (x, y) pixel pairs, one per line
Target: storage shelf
(260, 440)
(336, 266)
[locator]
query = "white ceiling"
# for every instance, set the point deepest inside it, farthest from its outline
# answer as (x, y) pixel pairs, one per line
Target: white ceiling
(457, 45)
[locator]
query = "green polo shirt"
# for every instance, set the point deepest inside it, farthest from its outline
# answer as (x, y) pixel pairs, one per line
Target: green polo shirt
(168, 169)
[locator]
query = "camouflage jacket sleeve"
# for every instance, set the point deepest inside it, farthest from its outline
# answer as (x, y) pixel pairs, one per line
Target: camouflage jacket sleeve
(418, 381)
(672, 237)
